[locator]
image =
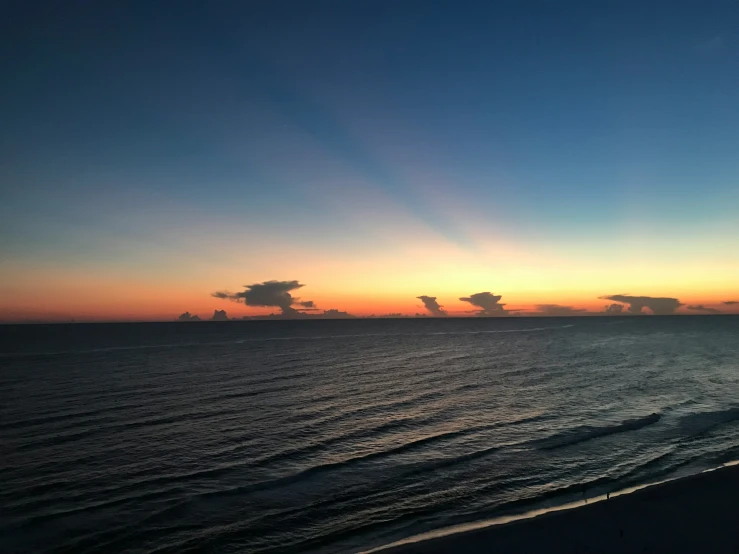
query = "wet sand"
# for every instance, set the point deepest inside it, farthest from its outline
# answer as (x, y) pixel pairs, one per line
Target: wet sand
(694, 514)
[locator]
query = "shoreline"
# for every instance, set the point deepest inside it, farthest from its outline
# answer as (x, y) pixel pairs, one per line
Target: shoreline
(693, 513)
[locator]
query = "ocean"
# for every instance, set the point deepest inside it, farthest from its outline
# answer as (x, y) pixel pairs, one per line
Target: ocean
(341, 436)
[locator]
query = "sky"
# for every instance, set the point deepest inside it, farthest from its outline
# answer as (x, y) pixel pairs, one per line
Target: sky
(166, 157)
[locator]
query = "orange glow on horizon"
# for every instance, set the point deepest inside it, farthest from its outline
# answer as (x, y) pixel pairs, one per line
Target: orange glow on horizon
(372, 285)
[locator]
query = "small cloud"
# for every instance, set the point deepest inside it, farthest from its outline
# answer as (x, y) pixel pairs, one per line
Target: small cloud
(658, 305)
(702, 308)
(333, 314)
(219, 315)
(432, 305)
(730, 302)
(557, 310)
(488, 303)
(614, 309)
(187, 317)
(308, 304)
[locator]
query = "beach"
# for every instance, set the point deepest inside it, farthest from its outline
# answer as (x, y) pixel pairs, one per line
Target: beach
(698, 513)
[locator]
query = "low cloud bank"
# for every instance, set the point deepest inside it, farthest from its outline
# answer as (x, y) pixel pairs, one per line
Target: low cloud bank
(557, 310)
(704, 309)
(657, 305)
(188, 317)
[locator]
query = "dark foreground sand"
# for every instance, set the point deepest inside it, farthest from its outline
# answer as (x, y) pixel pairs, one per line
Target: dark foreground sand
(697, 514)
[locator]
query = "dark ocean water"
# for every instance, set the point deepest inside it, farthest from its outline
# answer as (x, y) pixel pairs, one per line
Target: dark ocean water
(337, 436)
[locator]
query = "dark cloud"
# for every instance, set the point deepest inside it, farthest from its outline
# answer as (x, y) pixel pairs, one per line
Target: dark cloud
(333, 314)
(187, 317)
(614, 309)
(730, 302)
(219, 315)
(488, 303)
(702, 308)
(395, 315)
(432, 305)
(277, 294)
(326, 314)
(557, 310)
(269, 293)
(658, 306)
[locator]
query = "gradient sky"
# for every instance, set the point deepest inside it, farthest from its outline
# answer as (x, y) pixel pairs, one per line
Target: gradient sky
(152, 153)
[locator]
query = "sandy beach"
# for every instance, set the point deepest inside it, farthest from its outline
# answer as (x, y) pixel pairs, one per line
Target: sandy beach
(699, 513)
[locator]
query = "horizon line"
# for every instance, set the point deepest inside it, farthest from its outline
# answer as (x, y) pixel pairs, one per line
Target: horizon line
(252, 319)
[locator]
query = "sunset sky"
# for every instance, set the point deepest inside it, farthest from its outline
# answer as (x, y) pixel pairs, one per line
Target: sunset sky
(155, 153)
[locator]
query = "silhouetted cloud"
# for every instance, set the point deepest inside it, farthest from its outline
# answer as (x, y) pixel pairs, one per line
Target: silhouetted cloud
(557, 310)
(277, 294)
(702, 308)
(219, 315)
(614, 309)
(268, 293)
(730, 302)
(488, 302)
(659, 306)
(333, 314)
(187, 317)
(432, 305)
(326, 314)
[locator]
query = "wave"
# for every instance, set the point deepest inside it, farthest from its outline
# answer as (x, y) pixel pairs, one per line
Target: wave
(701, 423)
(51, 438)
(388, 428)
(537, 506)
(508, 511)
(317, 470)
(412, 470)
(587, 432)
